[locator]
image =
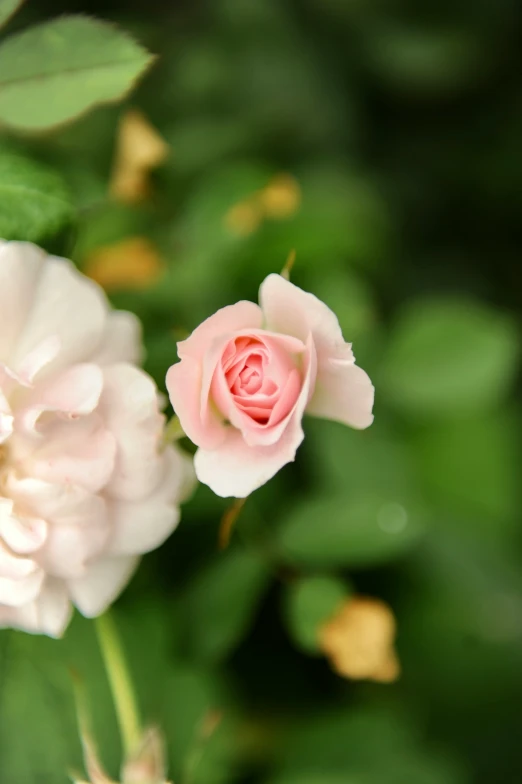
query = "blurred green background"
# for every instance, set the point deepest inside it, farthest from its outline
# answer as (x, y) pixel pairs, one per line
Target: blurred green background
(388, 133)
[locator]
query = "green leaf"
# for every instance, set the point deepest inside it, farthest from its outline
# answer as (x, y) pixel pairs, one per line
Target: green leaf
(219, 604)
(427, 60)
(359, 461)
(178, 696)
(471, 469)
(53, 72)
(448, 356)
(34, 201)
(368, 744)
(352, 531)
(39, 736)
(7, 9)
(309, 603)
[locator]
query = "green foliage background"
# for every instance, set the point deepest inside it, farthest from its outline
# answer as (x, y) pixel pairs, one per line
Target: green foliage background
(402, 122)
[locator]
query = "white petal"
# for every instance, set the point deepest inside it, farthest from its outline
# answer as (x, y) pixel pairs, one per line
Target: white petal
(103, 582)
(20, 267)
(122, 340)
(22, 535)
(141, 526)
(15, 592)
(48, 614)
(60, 504)
(129, 405)
(66, 305)
(73, 392)
(78, 452)
(69, 547)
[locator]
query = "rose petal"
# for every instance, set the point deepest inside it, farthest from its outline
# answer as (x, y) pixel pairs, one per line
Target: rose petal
(291, 310)
(237, 469)
(61, 504)
(129, 405)
(184, 386)
(122, 340)
(69, 547)
(18, 591)
(104, 580)
(20, 267)
(242, 315)
(48, 614)
(21, 534)
(65, 304)
(80, 452)
(344, 393)
(141, 526)
(74, 392)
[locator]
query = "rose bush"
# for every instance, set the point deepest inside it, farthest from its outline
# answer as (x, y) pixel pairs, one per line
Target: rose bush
(84, 488)
(248, 374)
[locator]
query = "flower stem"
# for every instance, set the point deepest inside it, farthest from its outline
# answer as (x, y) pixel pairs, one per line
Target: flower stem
(120, 682)
(173, 431)
(228, 521)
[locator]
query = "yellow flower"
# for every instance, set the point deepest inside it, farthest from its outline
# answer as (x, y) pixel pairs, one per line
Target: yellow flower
(281, 198)
(132, 263)
(139, 149)
(359, 641)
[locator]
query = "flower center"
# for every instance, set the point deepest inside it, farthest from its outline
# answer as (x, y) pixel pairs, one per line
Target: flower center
(262, 377)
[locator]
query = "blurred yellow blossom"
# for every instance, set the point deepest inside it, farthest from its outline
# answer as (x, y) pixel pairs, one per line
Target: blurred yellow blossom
(359, 641)
(278, 200)
(243, 218)
(281, 198)
(132, 263)
(139, 149)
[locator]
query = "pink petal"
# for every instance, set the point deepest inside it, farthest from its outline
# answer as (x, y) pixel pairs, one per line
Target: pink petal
(293, 311)
(242, 315)
(184, 387)
(345, 394)
(237, 469)
(104, 580)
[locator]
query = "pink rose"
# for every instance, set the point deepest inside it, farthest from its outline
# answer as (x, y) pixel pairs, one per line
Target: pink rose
(84, 488)
(249, 373)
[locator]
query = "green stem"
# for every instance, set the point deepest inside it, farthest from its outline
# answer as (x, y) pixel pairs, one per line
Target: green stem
(173, 431)
(120, 682)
